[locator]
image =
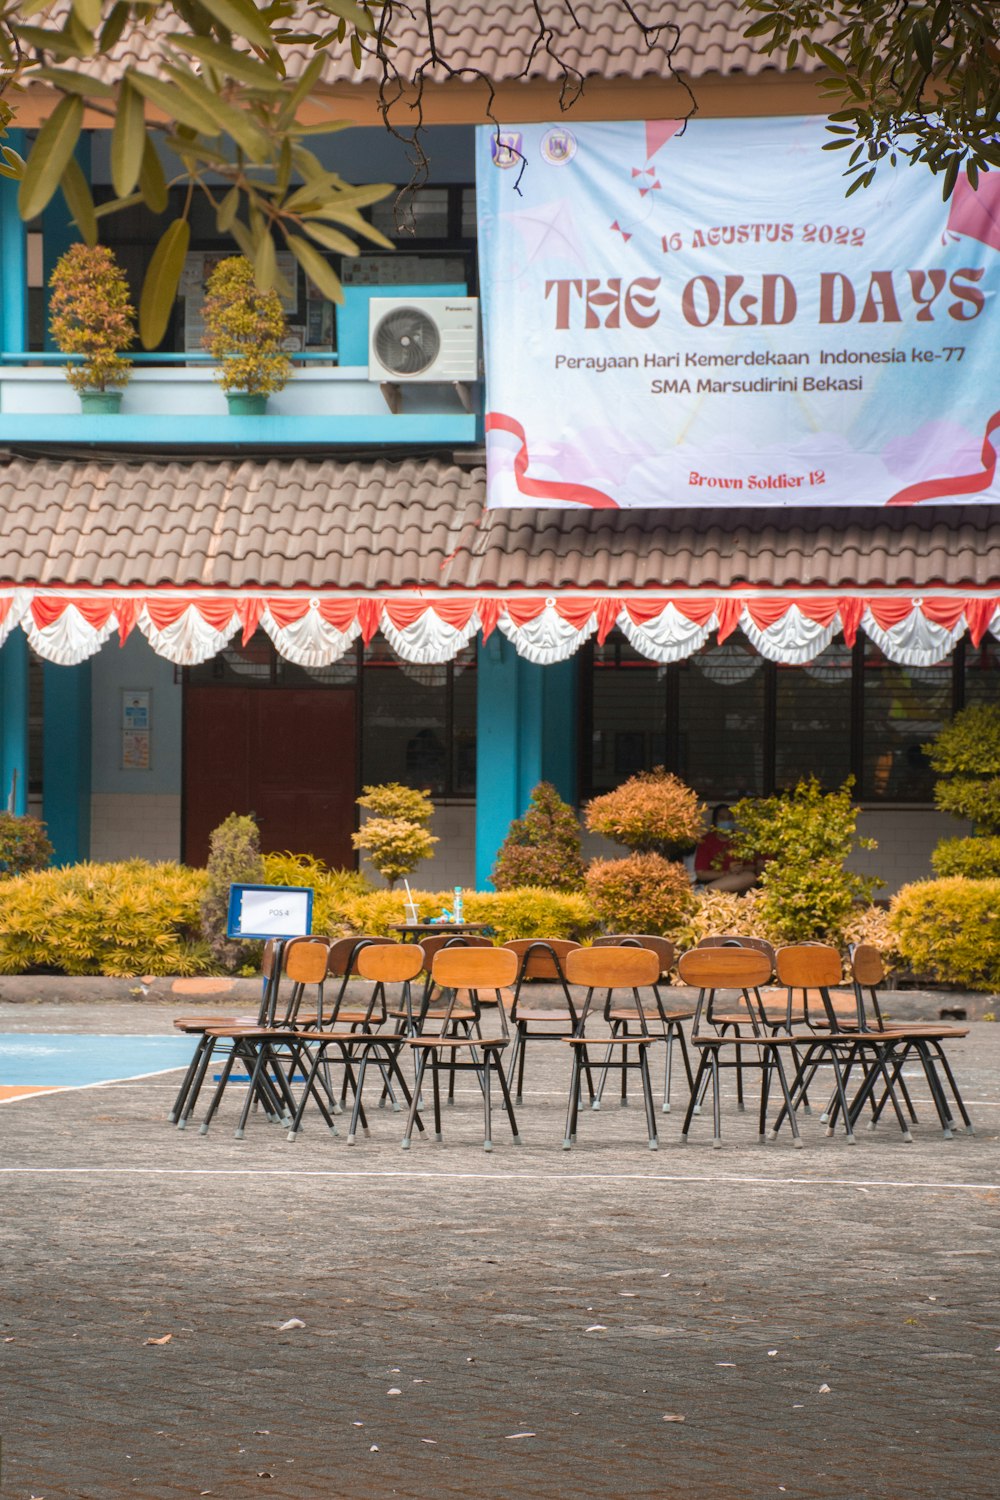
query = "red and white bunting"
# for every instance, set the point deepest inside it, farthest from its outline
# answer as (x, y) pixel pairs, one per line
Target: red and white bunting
(187, 627)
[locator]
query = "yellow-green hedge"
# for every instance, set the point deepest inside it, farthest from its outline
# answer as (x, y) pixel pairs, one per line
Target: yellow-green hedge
(949, 930)
(115, 919)
(528, 912)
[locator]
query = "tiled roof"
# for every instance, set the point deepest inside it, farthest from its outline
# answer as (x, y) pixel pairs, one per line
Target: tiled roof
(298, 523)
(500, 38)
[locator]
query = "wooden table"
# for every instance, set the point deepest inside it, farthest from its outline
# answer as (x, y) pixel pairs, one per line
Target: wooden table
(418, 930)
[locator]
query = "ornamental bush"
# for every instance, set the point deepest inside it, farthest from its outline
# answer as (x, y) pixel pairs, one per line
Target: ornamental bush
(395, 838)
(234, 858)
(524, 913)
(90, 314)
(120, 920)
(651, 813)
(642, 893)
(976, 858)
(805, 838)
(543, 847)
(331, 888)
(721, 914)
(966, 756)
(949, 930)
(24, 845)
(244, 330)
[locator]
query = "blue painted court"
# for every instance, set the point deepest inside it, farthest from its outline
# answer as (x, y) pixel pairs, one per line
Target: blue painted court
(30, 1061)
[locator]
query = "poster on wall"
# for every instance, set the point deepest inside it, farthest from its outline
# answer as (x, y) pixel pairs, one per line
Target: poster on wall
(136, 729)
(700, 318)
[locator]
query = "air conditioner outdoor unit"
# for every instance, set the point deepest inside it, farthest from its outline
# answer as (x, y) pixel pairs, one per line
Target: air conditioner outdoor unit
(423, 338)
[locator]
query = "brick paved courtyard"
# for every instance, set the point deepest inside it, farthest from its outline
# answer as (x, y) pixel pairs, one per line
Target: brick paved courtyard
(826, 1322)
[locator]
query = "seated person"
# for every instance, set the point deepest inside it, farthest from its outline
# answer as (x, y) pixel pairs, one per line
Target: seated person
(714, 865)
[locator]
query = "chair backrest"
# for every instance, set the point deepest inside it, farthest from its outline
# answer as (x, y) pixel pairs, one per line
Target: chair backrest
(808, 966)
(661, 946)
(612, 968)
(390, 963)
(724, 968)
(433, 945)
(305, 960)
(474, 968)
(343, 957)
(737, 940)
(537, 957)
(866, 965)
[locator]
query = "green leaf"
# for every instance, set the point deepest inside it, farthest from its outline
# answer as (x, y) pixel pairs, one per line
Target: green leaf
(152, 182)
(75, 83)
(76, 191)
(331, 239)
(89, 13)
(265, 262)
(922, 45)
(175, 105)
(228, 61)
(56, 42)
(235, 122)
(226, 211)
(316, 267)
(54, 145)
(128, 139)
(159, 290)
(243, 19)
(300, 93)
(113, 27)
(352, 14)
(115, 205)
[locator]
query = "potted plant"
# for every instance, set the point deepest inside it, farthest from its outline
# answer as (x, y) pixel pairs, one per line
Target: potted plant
(90, 314)
(244, 329)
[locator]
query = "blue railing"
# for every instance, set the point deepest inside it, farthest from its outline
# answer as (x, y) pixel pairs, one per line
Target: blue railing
(46, 357)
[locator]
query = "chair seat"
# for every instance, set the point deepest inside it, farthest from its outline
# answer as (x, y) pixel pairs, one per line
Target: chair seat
(610, 1041)
(790, 1039)
(923, 1030)
(454, 1042)
(541, 1015)
(460, 1013)
(203, 1023)
(651, 1019)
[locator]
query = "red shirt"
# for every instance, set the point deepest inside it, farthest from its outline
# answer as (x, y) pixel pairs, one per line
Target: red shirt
(712, 855)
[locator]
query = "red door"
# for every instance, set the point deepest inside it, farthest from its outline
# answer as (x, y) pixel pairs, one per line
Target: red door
(287, 755)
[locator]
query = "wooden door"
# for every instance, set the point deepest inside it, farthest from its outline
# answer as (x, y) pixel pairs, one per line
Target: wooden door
(287, 755)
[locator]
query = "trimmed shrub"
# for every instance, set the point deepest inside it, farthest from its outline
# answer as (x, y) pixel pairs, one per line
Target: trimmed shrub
(966, 755)
(873, 924)
(530, 912)
(949, 930)
(718, 913)
(976, 858)
(117, 919)
(331, 888)
(234, 858)
(642, 893)
(651, 813)
(805, 837)
(543, 847)
(395, 838)
(24, 845)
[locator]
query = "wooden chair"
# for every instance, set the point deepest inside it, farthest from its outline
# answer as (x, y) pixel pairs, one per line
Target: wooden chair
(382, 964)
(267, 1047)
(475, 971)
(709, 970)
(668, 1016)
(540, 959)
(631, 969)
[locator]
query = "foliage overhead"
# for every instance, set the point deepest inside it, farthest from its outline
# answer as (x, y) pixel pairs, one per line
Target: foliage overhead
(910, 80)
(654, 811)
(966, 755)
(805, 838)
(244, 330)
(90, 314)
(543, 847)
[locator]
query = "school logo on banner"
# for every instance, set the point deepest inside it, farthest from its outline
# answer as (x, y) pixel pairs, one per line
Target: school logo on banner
(699, 317)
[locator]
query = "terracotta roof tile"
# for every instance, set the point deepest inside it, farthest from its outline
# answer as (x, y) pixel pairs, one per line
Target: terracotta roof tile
(299, 523)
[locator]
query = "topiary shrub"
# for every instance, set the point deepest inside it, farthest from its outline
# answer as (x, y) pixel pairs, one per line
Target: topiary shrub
(949, 930)
(24, 845)
(395, 838)
(90, 314)
(651, 813)
(244, 330)
(966, 755)
(543, 847)
(805, 838)
(643, 893)
(976, 858)
(234, 858)
(116, 919)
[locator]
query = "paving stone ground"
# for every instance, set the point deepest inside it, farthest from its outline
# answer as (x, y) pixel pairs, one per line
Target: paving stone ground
(825, 1321)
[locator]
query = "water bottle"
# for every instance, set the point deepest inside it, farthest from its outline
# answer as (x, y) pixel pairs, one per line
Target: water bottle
(459, 915)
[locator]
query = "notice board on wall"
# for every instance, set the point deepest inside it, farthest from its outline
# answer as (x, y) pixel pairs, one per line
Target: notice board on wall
(699, 317)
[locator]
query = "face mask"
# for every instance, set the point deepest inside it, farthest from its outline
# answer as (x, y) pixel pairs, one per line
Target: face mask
(725, 826)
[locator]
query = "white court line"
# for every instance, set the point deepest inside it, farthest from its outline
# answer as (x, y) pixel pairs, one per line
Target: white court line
(43, 1089)
(651, 1177)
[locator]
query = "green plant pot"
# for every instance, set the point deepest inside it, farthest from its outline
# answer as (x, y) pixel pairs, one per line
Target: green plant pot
(246, 404)
(100, 403)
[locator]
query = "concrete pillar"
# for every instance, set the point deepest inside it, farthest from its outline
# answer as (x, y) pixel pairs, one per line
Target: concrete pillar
(14, 723)
(13, 262)
(66, 741)
(526, 733)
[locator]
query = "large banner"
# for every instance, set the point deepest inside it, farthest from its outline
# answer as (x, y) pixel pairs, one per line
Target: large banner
(703, 319)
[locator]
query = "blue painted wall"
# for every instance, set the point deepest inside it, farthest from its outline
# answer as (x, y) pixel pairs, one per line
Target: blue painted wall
(526, 733)
(135, 665)
(66, 760)
(14, 721)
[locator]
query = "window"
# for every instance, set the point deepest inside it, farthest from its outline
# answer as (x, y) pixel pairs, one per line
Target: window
(982, 671)
(903, 707)
(721, 704)
(419, 722)
(629, 715)
(812, 719)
